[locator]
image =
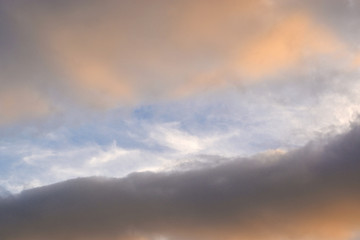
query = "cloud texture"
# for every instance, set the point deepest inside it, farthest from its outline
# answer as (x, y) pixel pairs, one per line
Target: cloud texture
(310, 193)
(115, 53)
(106, 88)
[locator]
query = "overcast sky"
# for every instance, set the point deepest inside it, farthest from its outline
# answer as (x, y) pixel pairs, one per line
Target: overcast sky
(236, 119)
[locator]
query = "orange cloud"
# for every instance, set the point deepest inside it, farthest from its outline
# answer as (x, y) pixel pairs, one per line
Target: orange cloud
(121, 52)
(87, 56)
(285, 45)
(356, 61)
(17, 104)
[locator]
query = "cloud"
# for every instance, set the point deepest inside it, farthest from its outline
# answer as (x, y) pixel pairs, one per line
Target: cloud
(309, 193)
(4, 193)
(288, 44)
(121, 53)
(227, 124)
(171, 136)
(69, 55)
(55, 157)
(36, 165)
(18, 104)
(356, 62)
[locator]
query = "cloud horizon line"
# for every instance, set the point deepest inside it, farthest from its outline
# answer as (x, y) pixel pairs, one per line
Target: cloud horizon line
(309, 192)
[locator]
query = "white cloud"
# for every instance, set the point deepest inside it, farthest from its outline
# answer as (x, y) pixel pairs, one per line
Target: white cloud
(113, 153)
(171, 136)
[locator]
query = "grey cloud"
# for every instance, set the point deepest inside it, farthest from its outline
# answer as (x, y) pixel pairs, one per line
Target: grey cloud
(4, 193)
(309, 193)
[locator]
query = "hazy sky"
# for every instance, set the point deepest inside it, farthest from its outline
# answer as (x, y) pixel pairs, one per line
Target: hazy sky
(239, 117)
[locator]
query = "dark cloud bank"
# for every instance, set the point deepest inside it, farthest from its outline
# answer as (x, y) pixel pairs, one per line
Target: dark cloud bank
(310, 193)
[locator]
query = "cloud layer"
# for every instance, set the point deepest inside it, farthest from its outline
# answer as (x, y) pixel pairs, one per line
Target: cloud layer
(119, 53)
(310, 193)
(106, 88)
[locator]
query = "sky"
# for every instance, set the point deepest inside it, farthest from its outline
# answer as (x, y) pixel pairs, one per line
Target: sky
(179, 120)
